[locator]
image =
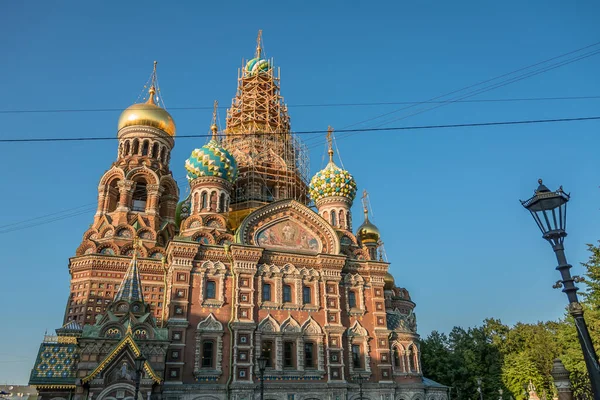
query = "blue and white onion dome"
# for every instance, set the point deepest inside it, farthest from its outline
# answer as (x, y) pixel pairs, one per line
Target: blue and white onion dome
(332, 181)
(211, 160)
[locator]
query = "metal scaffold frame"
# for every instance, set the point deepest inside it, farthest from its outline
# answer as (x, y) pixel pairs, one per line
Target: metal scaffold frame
(273, 163)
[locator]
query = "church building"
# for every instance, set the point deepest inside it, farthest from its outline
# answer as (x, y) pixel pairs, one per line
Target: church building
(177, 297)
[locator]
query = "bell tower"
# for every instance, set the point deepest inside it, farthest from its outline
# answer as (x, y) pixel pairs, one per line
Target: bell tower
(137, 197)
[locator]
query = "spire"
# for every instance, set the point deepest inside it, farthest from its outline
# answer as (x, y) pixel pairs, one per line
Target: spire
(259, 44)
(364, 203)
(153, 84)
(258, 106)
(213, 125)
(131, 286)
(330, 143)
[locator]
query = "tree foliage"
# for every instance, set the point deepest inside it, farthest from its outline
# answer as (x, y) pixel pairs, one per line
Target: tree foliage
(509, 357)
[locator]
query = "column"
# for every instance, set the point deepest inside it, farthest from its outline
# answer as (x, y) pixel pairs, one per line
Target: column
(125, 192)
(154, 192)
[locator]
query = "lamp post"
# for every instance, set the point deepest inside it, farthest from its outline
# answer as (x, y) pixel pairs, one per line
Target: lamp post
(262, 364)
(549, 210)
(139, 369)
(479, 388)
(360, 379)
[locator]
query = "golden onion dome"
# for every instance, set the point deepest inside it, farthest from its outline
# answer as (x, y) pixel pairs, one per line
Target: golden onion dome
(389, 281)
(368, 233)
(148, 114)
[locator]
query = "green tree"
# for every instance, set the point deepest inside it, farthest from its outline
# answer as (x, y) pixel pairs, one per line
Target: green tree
(436, 358)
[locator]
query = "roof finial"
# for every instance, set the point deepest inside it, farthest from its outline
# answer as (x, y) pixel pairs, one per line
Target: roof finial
(330, 143)
(258, 44)
(364, 203)
(152, 90)
(136, 246)
(213, 125)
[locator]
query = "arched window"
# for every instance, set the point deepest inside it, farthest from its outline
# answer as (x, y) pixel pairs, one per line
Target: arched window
(204, 201)
(222, 203)
(352, 299)
(397, 361)
(341, 218)
(348, 220)
(127, 148)
(411, 359)
(155, 150)
(211, 290)
(306, 295)
(356, 356)
(266, 292)
(145, 147)
(163, 152)
(287, 293)
(140, 196)
(135, 147)
(208, 354)
(326, 215)
(333, 218)
(113, 195)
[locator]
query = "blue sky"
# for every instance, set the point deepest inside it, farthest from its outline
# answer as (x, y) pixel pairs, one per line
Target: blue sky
(446, 201)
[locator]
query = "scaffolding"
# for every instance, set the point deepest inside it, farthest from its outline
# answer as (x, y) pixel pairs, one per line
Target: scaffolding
(272, 161)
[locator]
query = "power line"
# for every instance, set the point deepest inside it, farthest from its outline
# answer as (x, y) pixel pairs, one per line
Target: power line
(486, 88)
(481, 82)
(76, 211)
(502, 83)
(320, 131)
(367, 104)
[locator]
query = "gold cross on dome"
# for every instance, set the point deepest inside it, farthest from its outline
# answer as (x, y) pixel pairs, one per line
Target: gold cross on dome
(258, 47)
(213, 125)
(330, 142)
(364, 200)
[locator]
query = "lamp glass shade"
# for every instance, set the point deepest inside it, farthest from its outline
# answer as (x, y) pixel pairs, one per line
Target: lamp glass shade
(549, 210)
(262, 362)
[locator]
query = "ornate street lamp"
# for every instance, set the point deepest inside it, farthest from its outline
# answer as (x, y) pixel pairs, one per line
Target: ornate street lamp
(549, 210)
(360, 379)
(262, 365)
(139, 369)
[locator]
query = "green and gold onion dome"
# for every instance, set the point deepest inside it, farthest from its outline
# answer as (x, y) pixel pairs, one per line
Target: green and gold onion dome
(211, 160)
(332, 181)
(148, 114)
(368, 233)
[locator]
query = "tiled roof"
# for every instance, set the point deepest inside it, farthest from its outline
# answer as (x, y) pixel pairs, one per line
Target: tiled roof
(70, 327)
(131, 288)
(393, 321)
(56, 364)
(428, 382)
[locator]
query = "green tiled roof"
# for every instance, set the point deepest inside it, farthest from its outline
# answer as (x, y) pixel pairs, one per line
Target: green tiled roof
(56, 364)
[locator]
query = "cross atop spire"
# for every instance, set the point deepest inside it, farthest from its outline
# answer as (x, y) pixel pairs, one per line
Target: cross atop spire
(330, 143)
(153, 84)
(131, 286)
(365, 204)
(213, 125)
(259, 44)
